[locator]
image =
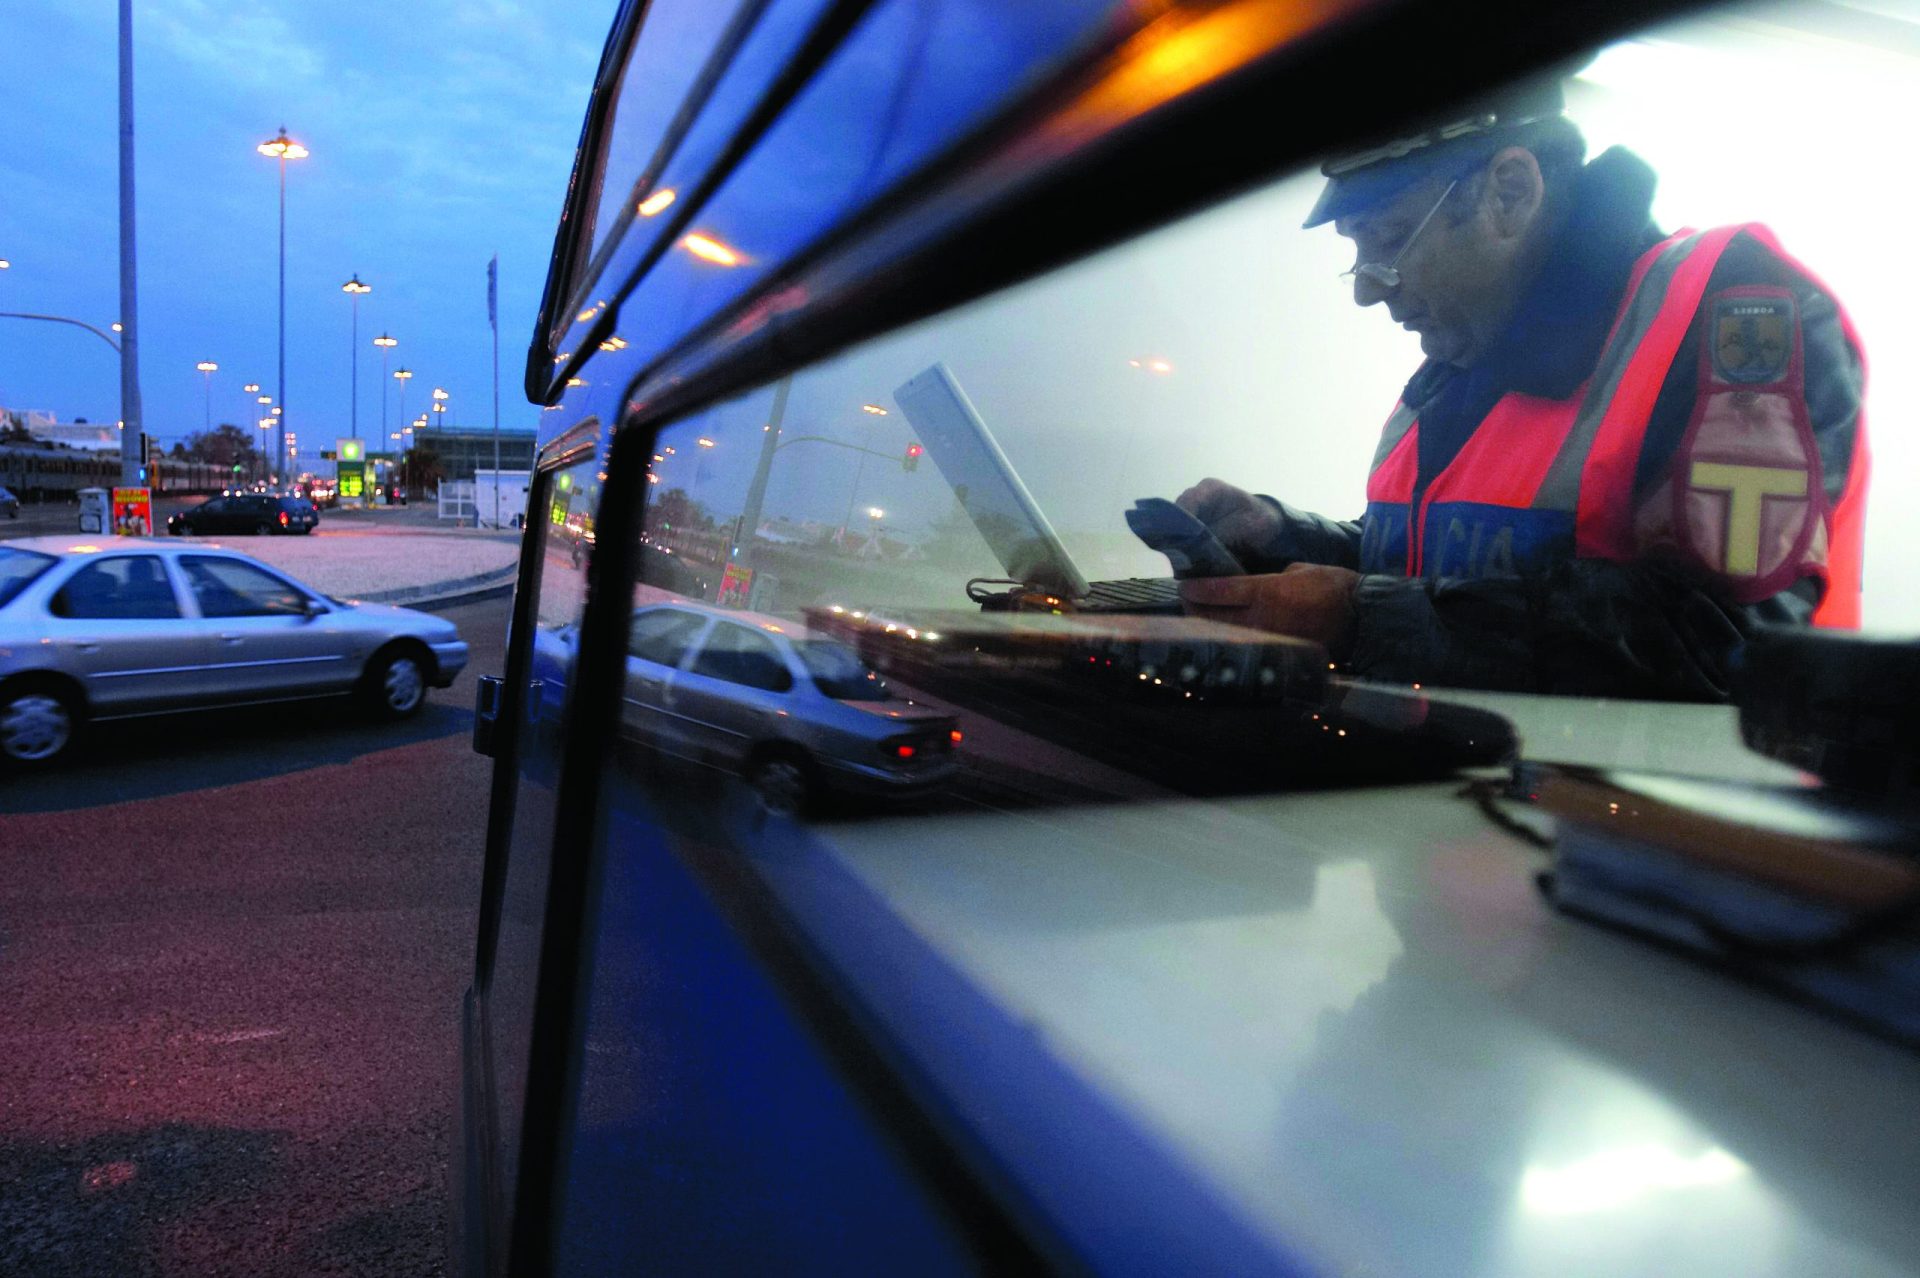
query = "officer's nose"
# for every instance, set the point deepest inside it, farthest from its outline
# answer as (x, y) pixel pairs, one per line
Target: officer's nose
(1374, 284)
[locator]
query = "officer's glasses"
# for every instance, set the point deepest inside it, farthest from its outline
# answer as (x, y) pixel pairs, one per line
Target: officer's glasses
(1386, 275)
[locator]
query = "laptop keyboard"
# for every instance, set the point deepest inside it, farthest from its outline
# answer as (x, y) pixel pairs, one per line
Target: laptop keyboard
(1132, 594)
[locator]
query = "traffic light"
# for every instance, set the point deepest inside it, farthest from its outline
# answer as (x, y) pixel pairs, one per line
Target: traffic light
(911, 460)
(146, 458)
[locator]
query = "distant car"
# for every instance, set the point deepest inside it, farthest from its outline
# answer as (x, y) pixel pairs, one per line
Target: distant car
(258, 513)
(134, 626)
(9, 503)
(799, 716)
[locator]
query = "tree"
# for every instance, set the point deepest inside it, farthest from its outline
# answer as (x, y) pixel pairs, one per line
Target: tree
(226, 446)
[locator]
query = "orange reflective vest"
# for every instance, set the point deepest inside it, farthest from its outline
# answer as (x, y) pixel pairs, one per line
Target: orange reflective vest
(1541, 480)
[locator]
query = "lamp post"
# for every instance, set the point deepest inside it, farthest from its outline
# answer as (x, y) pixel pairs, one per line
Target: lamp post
(403, 376)
(386, 345)
(355, 288)
(207, 368)
(439, 399)
(283, 148)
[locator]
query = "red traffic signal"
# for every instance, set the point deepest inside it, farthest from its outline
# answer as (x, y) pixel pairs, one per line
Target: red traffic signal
(912, 457)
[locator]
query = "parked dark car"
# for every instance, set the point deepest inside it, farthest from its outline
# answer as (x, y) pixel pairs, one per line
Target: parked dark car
(9, 504)
(256, 513)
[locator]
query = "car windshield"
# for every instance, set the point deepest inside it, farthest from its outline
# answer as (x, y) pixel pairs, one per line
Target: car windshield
(17, 568)
(839, 673)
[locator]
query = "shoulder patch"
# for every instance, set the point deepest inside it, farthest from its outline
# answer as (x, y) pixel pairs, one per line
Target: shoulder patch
(1752, 338)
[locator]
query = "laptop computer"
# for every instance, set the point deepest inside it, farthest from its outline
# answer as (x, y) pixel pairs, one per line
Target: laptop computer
(1000, 506)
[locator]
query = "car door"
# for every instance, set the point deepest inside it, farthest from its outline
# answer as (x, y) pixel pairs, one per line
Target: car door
(117, 624)
(731, 695)
(267, 636)
(656, 646)
(209, 516)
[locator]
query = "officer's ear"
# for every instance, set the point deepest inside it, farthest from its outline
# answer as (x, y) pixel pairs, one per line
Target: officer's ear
(1515, 191)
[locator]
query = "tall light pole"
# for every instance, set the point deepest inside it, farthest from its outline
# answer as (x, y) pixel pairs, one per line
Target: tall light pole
(355, 288)
(281, 148)
(207, 369)
(403, 376)
(386, 345)
(439, 399)
(131, 417)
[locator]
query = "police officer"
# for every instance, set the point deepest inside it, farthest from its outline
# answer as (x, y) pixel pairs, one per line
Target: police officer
(1622, 451)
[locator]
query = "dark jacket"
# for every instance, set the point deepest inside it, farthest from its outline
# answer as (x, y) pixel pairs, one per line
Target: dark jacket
(1642, 629)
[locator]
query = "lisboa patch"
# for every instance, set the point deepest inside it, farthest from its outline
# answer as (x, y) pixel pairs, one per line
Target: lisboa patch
(1752, 339)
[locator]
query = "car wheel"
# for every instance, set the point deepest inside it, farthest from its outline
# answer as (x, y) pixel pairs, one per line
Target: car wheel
(782, 783)
(397, 684)
(37, 724)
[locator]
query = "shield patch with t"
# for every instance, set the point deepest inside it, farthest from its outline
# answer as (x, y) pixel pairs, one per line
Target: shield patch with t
(1752, 339)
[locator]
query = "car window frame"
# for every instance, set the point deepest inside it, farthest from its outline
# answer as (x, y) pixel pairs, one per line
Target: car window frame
(703, 626)
(720, 626)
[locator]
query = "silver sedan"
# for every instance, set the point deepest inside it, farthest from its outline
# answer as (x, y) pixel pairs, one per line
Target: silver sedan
(114, 627)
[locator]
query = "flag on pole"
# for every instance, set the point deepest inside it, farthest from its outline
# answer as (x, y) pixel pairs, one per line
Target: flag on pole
(493, 292)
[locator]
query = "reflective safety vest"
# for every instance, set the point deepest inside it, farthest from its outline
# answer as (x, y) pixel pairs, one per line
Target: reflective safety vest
(1542, 480)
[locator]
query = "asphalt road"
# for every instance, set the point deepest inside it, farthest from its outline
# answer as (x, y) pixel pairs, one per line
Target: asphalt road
(232, 950)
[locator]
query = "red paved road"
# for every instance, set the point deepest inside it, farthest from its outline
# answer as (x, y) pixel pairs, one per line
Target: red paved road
(231, 955)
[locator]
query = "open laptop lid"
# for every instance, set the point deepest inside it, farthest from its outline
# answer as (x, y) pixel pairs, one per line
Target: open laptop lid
(984, 481)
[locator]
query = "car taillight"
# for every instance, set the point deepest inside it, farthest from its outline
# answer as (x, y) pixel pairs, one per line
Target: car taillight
(955, 736)
(283, 519)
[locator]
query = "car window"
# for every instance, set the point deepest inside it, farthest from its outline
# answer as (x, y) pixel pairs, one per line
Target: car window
(215, 506)
(738, 655)
(839, 673)
(662, 636)
(123, 588)
(18, 568)
(231, 588)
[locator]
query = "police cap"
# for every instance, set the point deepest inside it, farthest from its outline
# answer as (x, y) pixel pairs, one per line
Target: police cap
(1448, 147)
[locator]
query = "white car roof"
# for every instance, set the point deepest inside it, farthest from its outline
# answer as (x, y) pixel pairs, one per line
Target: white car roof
(100, 543)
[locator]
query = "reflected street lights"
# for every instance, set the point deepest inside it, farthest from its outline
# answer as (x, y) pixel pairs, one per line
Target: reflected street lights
(355, 288)
(207, 369)
(283, 148)
(386, 344)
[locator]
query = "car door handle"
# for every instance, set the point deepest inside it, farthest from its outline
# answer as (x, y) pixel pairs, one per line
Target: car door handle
(230, 638)
(87, 645)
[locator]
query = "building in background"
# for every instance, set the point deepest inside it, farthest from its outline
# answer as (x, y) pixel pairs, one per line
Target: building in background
(461, 452)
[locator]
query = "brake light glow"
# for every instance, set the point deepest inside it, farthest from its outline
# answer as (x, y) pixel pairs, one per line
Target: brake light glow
(955, 736)
(283, 519)
(903, 752)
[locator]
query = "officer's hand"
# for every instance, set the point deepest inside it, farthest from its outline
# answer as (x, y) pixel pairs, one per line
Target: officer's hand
(1308, 601)
(1243, 523)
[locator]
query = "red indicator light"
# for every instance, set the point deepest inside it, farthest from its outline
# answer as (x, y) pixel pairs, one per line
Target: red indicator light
(905, 752)
(955, 736)
(283, 519)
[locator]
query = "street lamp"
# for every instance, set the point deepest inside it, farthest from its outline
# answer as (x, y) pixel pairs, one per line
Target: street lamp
(283, 148)
(440, 398)
(355, 288)
(386, 344)
(403, 376)
(207, 369)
